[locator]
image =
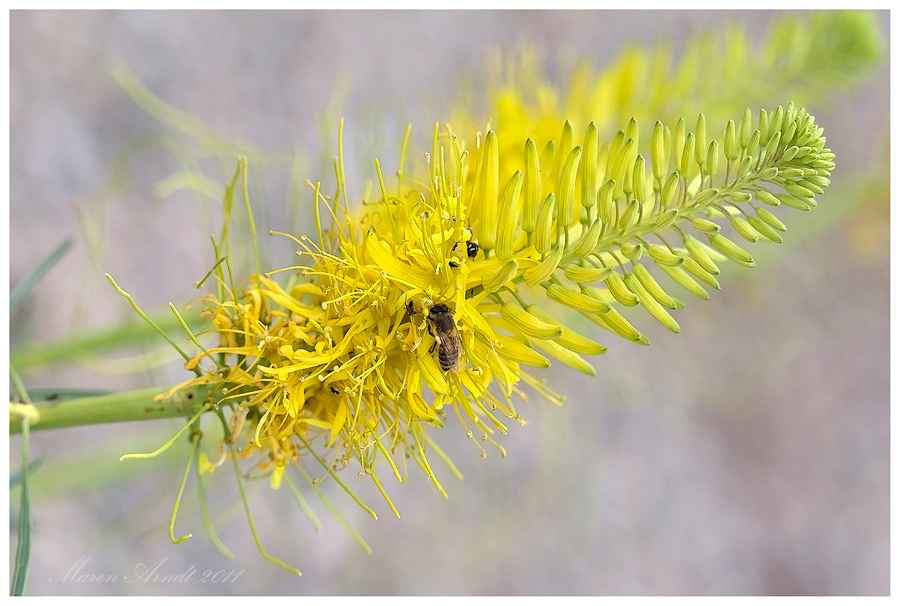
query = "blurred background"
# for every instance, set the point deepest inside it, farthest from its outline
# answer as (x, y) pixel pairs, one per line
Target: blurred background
(746, 455)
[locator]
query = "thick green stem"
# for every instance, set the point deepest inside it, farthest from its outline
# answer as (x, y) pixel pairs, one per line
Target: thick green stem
(139, 405)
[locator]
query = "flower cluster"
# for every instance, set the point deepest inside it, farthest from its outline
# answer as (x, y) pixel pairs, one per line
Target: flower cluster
(429, 301)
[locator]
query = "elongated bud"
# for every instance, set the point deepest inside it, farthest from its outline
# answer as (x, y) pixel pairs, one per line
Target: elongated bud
(664, 257)
(699, 254)
(565, 189)
(706, 196)
(701, 140)
(667, 218)
(753, 144)
(494, 279)
(544, 235)
(746, 127)
(687, 156)
(621, 166)
(620, 291)
(632, 251)
(678, 140)
(692, 267)
(765, 230)
(587, 275)
(706, 226)
(629, 215)
(651, 304)
(516, 351)
(576, 300)
(565, 146)
(744, 228)
(532, 186)
(529, 324)
(668, 190)
(712, 158)
(540, 272)
(639, 179)
(731, 250)
(773, 143)
(605, 201)
(658, 157)
(548, 155)
(615, 322)
(589, 166)
(771, 219)
(652, 287)
(766, 198)
(507, 225)
(488, 200)
(589, 239)
(684, 279)
(730, 143)
(794, 201)
(569, 338)
(567, 357)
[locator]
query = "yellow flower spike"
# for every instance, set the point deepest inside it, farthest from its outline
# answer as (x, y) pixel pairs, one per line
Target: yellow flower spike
(684, 279)
(565, 190)
(651, 304)
(507, 222)
(532, 187)
(537, 274)
(620, 291)
(587, 275)
(589, 166)
(699, 254)
(487, 202)
(567, 357)
(731, 250)
(544, 234)
(653, 288)
(569, 338)
(576, 300)
(529, 324)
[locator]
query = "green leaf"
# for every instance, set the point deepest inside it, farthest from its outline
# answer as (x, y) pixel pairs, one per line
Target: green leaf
(23, 549)
(24, 287)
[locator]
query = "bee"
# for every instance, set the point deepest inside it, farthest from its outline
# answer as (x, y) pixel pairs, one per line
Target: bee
(442, 327)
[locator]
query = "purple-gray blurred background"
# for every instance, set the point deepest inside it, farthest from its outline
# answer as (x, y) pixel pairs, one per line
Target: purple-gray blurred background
(746, 455)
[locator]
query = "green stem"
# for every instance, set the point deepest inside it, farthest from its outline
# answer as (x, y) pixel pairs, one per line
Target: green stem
(139, 405)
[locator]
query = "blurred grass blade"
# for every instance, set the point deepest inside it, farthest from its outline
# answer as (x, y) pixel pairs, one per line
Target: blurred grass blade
(16, 478)
(23, 549)
(24, 287)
